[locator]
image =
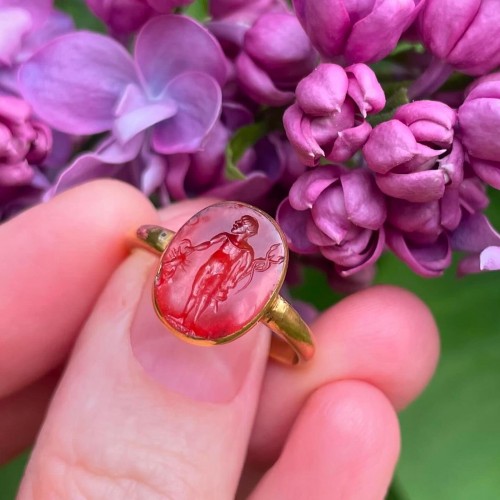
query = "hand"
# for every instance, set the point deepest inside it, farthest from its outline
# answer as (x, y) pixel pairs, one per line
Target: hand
(138, 414)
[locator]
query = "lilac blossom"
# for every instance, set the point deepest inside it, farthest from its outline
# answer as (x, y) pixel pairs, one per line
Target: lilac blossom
(269, 168)
(415, 155)
(328, 117)
(165, 101)
(479, 123)
(126, 16)
(24, 142)
(232, 18)
(25, 26)
(337, 212)
(463, 35)
(276, 54)
(351, 30)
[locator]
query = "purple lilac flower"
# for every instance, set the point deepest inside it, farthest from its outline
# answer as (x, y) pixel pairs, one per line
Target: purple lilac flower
(337, 212)
(463, 35)
(351, 29)
(24, 142)
(232, 18)
(166, 101)
(414, 155)
(275, 56)
(479, 125)
(328, 117)
(270, 167)
(25, 26)
(126, 16)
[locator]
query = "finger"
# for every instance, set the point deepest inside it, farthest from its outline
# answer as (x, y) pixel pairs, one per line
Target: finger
(54, 260)
(344, 445)
(384, 336)
(141, 414)
(22, 413)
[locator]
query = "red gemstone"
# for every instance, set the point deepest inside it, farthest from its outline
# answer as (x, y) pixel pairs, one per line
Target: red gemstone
(220, 271)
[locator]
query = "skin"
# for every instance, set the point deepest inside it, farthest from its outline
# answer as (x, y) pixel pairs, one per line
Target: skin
(139, 414)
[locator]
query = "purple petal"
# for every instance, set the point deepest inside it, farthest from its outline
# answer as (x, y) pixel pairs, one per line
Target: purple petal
(453, 164)
(390, 144)
(434, 111)
(479, 121)
(170, 45)
(415, 217)
(330, 215)
(371, 254)
(75, 82)
(258, 85)
(442, 28)
(323, 91)
(418, 187)
(307, 188)
(468, 265)
(135, 116)
(18, 174)
(299, 133)
(365, 43)
(490, 259)
(294, 224)
(38, 10)
(451, 211)
(473, 195)
(487, 171)
(14, 24)
(365, 90)
(429, 260)
(326, 32)
(248, 190)
(198, 97)
(364, 203)
(349, 141)
(177, 169)
(474, 234)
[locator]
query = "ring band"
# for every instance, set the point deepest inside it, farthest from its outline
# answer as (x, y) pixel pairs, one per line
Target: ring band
(220, 274)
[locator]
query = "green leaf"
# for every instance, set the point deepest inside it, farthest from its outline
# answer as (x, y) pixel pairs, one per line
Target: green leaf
(198, 10)
(84, 19)
(403, 47)
(243, 139)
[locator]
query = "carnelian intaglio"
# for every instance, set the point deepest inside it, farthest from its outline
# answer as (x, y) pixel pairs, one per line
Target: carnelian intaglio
(220, 271)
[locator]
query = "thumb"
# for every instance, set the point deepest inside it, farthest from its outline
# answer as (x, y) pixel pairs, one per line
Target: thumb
(141, 414)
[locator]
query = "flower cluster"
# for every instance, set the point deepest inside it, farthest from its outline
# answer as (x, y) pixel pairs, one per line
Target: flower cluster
(362, 126)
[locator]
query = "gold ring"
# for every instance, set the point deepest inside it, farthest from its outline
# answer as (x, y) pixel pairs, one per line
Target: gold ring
(220, 274)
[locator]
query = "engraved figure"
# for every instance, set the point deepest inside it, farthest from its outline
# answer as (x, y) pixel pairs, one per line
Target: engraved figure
(231, 262)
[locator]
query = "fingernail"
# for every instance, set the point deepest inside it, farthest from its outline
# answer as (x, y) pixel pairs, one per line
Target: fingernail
(211, 374)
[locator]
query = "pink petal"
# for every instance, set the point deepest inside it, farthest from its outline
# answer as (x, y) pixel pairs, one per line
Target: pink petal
(365, 204)
(474, 234)
(349, 141)
(258, 85)
(489, 259)
(429, 260)
(487, 171)
(75, 82)
(14, 24)
(418, 187)
(198, 97)
(170, 45)
(294, 222)
(390, 144)
(311, 184)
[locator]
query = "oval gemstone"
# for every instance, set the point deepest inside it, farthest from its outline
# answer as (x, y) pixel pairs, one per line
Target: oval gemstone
(220, 271)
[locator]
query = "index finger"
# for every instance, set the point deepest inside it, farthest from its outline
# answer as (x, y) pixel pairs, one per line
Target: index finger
(54, 260)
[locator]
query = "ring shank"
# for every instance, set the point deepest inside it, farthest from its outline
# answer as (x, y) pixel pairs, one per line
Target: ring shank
(293, 343)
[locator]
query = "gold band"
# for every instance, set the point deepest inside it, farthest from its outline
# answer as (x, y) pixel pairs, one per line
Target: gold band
(293, 343)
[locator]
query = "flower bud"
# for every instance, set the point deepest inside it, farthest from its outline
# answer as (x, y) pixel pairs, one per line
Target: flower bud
(327, 119)
(276, 55)
(415, 155)
(126, 16)
(464, 35)
(351, 29)
(479, 123)
(23, 142)
(337, 212)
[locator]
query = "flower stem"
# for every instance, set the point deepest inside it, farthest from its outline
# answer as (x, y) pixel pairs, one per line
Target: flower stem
(430, 80)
